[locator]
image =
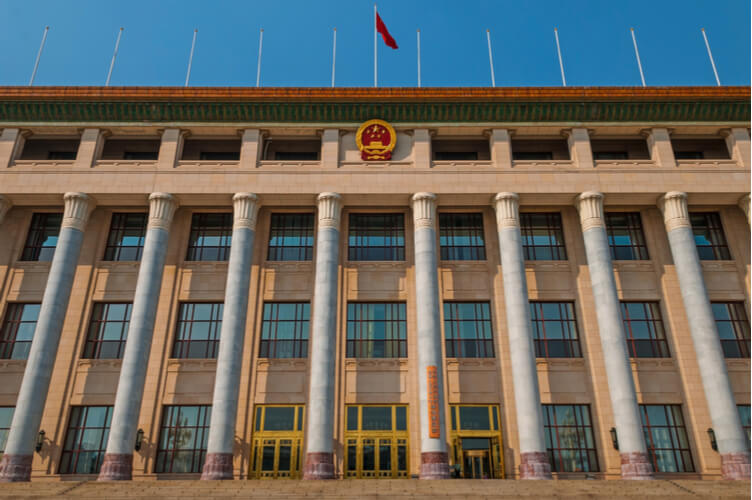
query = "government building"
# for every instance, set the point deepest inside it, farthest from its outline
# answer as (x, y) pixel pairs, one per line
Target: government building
(316, 283)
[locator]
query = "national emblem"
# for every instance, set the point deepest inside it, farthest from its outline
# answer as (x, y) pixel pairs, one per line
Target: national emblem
(376, 140)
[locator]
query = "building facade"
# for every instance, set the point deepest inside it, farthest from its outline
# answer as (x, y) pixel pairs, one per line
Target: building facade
(232, 283)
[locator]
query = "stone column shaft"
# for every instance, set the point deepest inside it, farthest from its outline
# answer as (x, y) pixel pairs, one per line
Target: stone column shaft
(659, 145)
(90, 147)
(580, 150)
(422, 148)
(170, 148)
(250, 148)
(330, 148)
(12, 141)
(500, 141)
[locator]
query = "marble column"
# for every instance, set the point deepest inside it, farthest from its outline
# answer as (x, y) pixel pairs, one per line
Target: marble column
(118, 459)
(635, 463)
(19, 449)
(434, 459)
(218, 464)
(319, 461)
(733, 445)
(534, 462)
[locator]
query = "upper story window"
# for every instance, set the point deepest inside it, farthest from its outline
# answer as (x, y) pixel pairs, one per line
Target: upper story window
(291, 237)
(540, 149)
(50, 149)
(744, 416)
(284, 330)
(643, 326)
(666, 438)
(210, 238)
(126, 239)
(709, 237)
(211, 150)
(198, 330)
(183, 438)
(86, 439)
(6, 417)
(733, 328)
(625, 237)
(569, 438)
(467, 329)
(461, 236)
(542, 236)
(42, 238)
(108, 331)
(700, 149)
(460, 149)
(298, 149)
(555, 330)
(18, 330)
(376, 237)
(619, 149)
(376, 330)
(146, 149)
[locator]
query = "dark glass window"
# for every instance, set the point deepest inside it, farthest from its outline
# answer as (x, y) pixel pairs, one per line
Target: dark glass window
(455, 155)
(18, 330)
(474, 418)
(86, 439)
(284, 330)
(182, 439)
(467, 329)
(555, 330)
(625, 237)
(377, 237)
(219, 155)
(689, 155)
(108, 331)
(744, 416)
(376, 330)
(140, 155)
(6, 416)
(376, 418)
(291, 237)
(61, 155)
(666, 438)
(532, 155)
(733, 328)
(610, 155)
(42, 237)
(211, 235)
(126, 239)
(569, 438)
(542, 236)
(461, 237)
(709, 238)
(198, 330)
(296, 155)
(646, 337)
(279, 418)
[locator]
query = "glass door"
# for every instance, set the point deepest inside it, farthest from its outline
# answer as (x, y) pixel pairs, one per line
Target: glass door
(277, 442)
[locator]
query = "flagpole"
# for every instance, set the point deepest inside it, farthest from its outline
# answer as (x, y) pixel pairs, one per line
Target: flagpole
(190, 58)
(334, 55)
(490, 58)
(114, 55)
(637, 54)
(710, 54)
(375, 49)
(258, 65)
(561, 63)
(418, 58)
(39, 55)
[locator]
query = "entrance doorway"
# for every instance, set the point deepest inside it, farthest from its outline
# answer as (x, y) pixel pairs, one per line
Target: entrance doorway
(476, 442)
(277, 442)
(476, 458)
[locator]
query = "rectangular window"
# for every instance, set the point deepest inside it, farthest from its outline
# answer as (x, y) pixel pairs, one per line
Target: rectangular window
(467, 330)
(625, 237)
(709, 237)
(108, 330)
(461, 237)
(666, 438)
(569, 438)
(542, 236)
(18, 330)
(126, 239)
(198, 330)
(211, 235)
(744, 416)
(733, 328)
(555, 330)
(6, 416)
(42, 237)
(86, 439)
(646, 337)
(377, 237)
(291, 237)
(610, 155)
(284, 330)
(182, 439)
(376, 330)
(532, 155)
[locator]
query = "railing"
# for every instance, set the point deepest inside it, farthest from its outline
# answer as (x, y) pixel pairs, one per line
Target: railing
(542, 163)
(126, 163)
(43, 163)
(288, 164)
(624, 163)
(208, 163)
(462, 163)
(707, 163)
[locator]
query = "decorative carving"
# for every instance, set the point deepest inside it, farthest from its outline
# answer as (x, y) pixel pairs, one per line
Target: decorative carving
(5, 205)
(590, 206)
(376, 140)
(743, 204)
(162, 208)
(507, 207)
(330, 207)
(424, 209)
(245, 210)
(675, 212)
(78, 206)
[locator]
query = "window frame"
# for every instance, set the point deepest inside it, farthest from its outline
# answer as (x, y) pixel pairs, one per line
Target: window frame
(657, 345)
(33, 244)
(673, 433)
(454, 252)
(558, 250)
(181, 346)
(301, 342)
(361, 252)
(358, 345)
(4, 431)
(198, 229)
(552, 431)
(168, 422)
(113, 248)
(276, 253)
(738, 325)
(713, 224)
(484, 347)
(79, 429)
(93, 345)
(635, 231)
(13, 324)
(541, 344)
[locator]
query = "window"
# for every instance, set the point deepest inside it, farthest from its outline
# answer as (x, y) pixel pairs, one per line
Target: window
(376, 330)
(6, 416)
(689, 155)
(126, 239)
(198, 330)
(86, 439)
(744, 416)
(532, 155)
(455, 155)
(219, 155)
(625, 237)
(666, 438)
(61, 155)
(18, 330)
(42, 237)
(467, 329)
(643, 325)
(475, 437)
(542, 236)
(277, 442)
(555, 330)
(296, 155)
(610, 155)
(284, 330)
(709, 237)
(376, 441)
(461, 237)
(569, 438)
(108, 330)
(733, 328)
(140, 155)
(182, 439)
(211, 235)
(291, 237)
(377, 237)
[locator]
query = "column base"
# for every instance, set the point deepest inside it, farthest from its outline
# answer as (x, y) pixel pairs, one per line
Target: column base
(319, 465)
(434, 465)
(17, 468)
(116, 467)
(534, 465)
(636, 465)
(217, 466)
(734, 466)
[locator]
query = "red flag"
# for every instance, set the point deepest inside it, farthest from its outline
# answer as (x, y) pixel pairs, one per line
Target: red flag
(381, 28)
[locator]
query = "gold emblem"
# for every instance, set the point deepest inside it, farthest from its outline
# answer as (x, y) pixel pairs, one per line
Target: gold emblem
(376, 140)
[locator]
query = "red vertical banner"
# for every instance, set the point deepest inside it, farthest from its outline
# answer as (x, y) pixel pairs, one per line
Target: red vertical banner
(434, 422)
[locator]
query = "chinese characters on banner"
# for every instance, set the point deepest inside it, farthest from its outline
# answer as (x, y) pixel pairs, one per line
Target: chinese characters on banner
(434, 423)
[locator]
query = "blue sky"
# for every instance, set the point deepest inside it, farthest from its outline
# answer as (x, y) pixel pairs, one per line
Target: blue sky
(596, 46)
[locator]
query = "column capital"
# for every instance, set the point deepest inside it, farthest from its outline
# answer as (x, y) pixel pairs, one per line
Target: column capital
(507, 206)
(162, 207)
(330, 208)
(424, 209)
(5, 205)
(590, 206)
(245, 210)
(743, 203)
(675, 212)
(78, 207)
